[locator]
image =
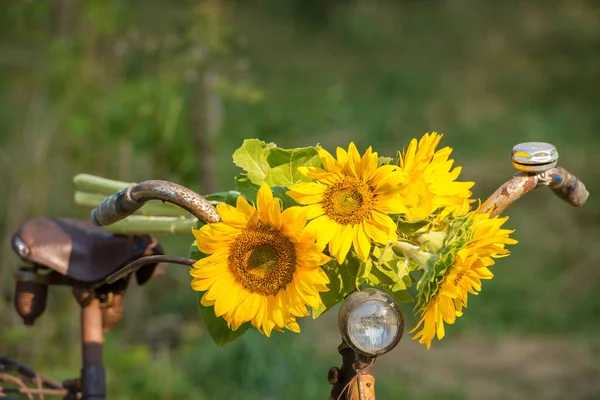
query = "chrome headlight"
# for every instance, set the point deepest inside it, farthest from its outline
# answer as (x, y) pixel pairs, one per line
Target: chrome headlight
(371, 322)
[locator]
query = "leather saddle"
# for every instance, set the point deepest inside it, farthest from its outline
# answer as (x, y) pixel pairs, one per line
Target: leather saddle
(81, 250)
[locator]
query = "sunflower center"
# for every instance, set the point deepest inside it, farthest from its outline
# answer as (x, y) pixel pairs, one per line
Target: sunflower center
(262, 260)
(348, 202)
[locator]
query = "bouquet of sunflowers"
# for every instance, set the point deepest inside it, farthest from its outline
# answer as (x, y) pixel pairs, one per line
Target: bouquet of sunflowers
(305, 228)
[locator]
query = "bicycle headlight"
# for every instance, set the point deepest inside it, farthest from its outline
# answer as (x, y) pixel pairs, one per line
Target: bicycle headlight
(371, 322)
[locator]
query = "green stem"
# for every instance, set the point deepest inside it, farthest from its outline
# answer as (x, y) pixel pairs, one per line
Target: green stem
(425, 259)
(153, 225)
(96, 184)
(151, 208)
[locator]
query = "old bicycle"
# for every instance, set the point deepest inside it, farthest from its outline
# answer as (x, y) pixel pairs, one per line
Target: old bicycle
(99, 265)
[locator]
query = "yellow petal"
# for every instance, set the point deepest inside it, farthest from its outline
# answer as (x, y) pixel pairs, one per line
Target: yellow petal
(293, 326)
(368, 164)
(244, 207)
(385, 222)
(231, 215)
(319, 174)
(361, 242)
(391, 205)
(210, 237)
(293, 220)
(323, 229)
(353, 161)
(228, 299)
(328, 161)
(341, 243)
(264, 200)
(376, 232)
(276, 310)
(307, 192)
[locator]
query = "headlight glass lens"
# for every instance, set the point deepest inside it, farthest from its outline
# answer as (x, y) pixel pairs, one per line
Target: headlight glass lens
(373, 326)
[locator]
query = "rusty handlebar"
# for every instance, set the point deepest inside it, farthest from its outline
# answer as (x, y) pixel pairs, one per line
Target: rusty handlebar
(127, 201)
(564, 184)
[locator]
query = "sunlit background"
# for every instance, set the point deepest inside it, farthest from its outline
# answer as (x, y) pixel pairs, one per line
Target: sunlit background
(136, 90)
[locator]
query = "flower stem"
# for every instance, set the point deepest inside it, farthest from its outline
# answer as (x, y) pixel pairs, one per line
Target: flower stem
(96, 184)
(424, 259)
(151, 225)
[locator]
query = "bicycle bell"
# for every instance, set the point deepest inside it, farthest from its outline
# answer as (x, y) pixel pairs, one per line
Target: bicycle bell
(534, 156)
(370, 322)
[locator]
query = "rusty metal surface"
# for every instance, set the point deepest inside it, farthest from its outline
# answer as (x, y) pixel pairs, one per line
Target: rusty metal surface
(355, 379)
(8, 364)
(23, 389)
(566, 186)
(30, 383)
(346, 372)
(92, 335)
(509, 192)
(132, 198)
(563, 184)
(362, 387)
(112, 310)
(30, 300)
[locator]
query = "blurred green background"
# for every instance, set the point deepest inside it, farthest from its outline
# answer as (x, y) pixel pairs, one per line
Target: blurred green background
(136, 90)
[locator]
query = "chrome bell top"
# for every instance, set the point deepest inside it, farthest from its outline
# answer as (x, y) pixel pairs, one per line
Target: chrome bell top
(534, 156)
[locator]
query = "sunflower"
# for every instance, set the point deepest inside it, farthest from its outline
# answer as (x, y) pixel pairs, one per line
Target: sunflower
(464, 276)
(431, 181)
(263, 267)
(350, 202)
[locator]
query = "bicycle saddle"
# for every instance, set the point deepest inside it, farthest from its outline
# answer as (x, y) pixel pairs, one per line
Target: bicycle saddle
(81, 250)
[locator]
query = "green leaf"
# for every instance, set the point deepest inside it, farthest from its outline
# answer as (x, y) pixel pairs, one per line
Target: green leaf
(246, 187)
(284, 165)
(342, 281)
(409, 228)
(382, 276)
(216, 326)
(400, 296)
(195, 254)
(364, 270)
(252, 158)
(249, 190)
(229, 197)
(384, 254)
(264, 162)
(387, 277)
(280, 193)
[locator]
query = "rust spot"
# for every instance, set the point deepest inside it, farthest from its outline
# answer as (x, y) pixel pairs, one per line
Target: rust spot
(530, 184)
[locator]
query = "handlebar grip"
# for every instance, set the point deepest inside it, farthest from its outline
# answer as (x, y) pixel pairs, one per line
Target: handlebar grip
(566, 186)
(126, 201)
(114, 208)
